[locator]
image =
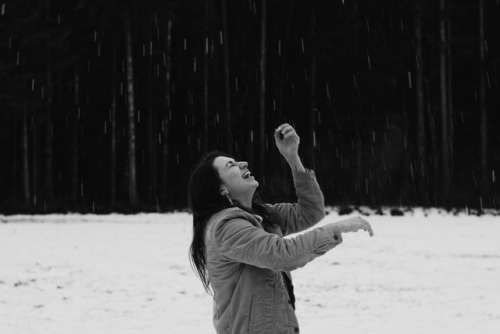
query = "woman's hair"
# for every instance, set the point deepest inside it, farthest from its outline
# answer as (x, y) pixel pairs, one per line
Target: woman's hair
(205, 200)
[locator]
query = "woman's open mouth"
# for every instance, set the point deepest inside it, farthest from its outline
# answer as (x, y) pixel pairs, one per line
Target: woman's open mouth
(247, 175)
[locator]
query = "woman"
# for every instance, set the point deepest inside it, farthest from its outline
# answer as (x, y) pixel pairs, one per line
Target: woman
(238, 248)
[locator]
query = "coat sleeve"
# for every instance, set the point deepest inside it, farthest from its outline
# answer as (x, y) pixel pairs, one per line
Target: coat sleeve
(238, 240)
(310, 206)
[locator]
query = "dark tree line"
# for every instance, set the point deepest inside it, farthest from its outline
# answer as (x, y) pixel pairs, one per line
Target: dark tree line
(105, 105)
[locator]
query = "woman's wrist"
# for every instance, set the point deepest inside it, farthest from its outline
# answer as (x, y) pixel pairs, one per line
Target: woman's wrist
(295, 163)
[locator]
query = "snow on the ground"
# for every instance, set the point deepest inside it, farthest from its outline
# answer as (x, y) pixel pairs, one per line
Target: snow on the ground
(421, 273)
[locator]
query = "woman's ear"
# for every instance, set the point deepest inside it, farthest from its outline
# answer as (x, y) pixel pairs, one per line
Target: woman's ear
(225, 192)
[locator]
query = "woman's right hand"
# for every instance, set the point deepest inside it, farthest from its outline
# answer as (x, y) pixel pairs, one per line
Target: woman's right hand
(287, 140)
(353, 225)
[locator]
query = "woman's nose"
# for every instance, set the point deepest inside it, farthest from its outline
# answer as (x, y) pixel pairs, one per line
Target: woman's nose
(243, 164)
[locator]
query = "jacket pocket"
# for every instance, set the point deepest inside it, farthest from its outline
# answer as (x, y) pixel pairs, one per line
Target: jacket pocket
(257, 321)
(262, 319)
(253, 319)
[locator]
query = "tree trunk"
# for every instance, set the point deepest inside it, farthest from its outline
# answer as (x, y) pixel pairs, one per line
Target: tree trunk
(359, 159)
(281, 94)
(408, 161)
(229, 130)
(75, 131)
(25, 160)
(443, 45)
(166, 117)
(420, 109)
(112, 133)
(435, 155)
(357, 102)
(132, 171)
(205, 81)
(48, 188)
(152, 130)
(35, 177)
(482, 101)
(14, 167)
(449, 96)
(262, 115)
(313, 107)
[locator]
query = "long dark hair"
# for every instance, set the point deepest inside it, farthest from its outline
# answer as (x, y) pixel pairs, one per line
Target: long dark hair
(205, 200)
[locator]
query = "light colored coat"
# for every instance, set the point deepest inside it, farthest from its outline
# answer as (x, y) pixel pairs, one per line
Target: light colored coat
(244, 262)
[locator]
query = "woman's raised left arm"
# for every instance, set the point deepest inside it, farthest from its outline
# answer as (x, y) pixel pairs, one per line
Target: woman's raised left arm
(310, 208)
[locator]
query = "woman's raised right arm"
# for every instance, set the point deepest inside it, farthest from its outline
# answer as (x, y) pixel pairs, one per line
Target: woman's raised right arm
(241, 241)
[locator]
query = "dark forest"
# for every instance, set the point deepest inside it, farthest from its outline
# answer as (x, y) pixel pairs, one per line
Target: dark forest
(106, 105)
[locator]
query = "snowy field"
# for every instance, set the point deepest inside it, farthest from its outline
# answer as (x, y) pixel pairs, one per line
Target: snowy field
(422, 273)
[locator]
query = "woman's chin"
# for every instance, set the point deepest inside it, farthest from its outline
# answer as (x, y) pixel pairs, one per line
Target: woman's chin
(254, 185)
(251, 180)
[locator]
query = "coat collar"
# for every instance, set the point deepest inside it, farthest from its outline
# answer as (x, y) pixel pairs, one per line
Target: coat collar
(236, 212)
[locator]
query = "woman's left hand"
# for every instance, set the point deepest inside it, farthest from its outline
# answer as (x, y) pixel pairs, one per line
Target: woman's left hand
(287, 140)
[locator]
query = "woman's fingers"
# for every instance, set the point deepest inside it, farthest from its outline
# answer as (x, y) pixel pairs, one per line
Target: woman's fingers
(287, 132)
(366, 226)
(284, 130)
(277, 135)
(370, 231)
(282, 126)
(354, 225)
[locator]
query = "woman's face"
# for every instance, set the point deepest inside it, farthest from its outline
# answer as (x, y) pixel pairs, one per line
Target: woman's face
(236, 179)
